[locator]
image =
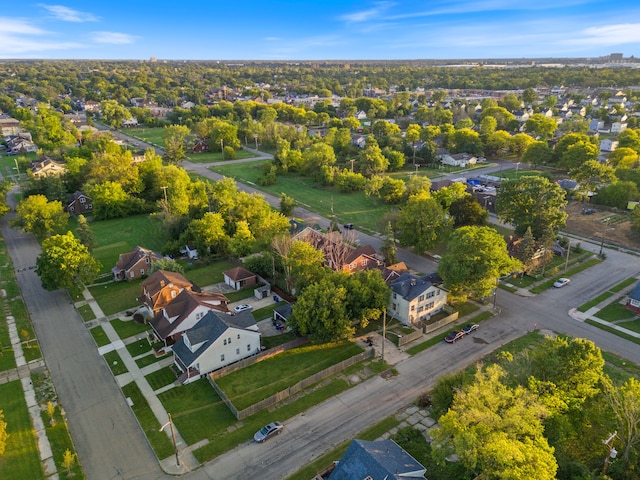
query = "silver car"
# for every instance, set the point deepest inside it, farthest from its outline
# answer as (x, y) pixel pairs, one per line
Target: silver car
(268, 431)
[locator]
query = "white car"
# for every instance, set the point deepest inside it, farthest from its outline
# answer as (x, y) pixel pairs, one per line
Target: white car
(561, 282)
(242, 308)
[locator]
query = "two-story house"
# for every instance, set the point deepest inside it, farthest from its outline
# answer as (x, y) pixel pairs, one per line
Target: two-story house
(160, 288)
(47, 167)
(79, 204)
(414, 298)
(134, 264)
(215, 341)
(183, 312)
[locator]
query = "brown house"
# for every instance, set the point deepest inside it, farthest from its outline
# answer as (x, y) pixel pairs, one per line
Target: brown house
(239, 278)
(183, 312)
(338, 254)
(161, 288)
(134, 264)
(47, 167)
(80, 204)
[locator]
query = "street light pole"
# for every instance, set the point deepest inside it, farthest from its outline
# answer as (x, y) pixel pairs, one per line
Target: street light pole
(611, 454)
(173, 437)
(222, 148)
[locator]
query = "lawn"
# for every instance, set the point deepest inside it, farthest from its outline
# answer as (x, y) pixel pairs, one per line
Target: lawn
(609, 329)
(60, 441)
(129, 328)
(139, 347)
(615, 312)
(99, 336)
(263, 379)
(86, 313)
(115, 363)
(159, 441)
(210, 157)
(116, 297)
(633, 325)
(203, 275)
(148, 360)
(364, 212)
(266, 312)
(595, 301)
(122, 235)
(274, 341)
(7, 358)
(20, 459)
(154, 136)
(161, 378)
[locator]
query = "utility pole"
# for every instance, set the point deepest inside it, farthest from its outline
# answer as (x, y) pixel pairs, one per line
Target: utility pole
(566, 260)
(222, 148)
(173, 437)
(164, 188)
(352, 160)
(611, 454)
(384, 331)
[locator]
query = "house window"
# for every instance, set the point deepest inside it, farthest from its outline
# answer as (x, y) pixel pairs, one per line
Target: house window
(224, 342)
(222, 357)
(199, 315)
(421, 298)
(238, 336)
(352, 266)
(429, 306)
(83, 200)
(132, 274)
(430, 294)
(438, 292)
(395, 295)
(229, 340)
(142, 271)
(413, 308)
(237, 351)
(147, 259)
(420, 308)
(393, 306)
(248, 347)
(173, 294)
(363, 263)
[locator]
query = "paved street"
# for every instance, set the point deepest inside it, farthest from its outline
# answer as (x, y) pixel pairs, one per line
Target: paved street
(111, 445)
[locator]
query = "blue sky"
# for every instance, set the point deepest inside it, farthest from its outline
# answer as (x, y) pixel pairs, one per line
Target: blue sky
(322, 29)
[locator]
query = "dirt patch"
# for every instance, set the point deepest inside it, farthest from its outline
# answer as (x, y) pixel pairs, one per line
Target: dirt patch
(618, 228)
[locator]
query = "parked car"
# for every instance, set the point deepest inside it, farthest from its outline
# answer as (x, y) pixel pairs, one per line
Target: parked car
(561, 282)
(588, 211)
(242, 307)
(472, 327)
(454, 336)
(268, 431)
(348, 226)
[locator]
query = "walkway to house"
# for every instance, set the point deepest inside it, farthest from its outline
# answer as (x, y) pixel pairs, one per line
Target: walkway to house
(22, 372)
(136, 374)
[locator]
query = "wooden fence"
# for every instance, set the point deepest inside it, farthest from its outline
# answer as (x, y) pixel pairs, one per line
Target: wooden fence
(404, 339)
(292, 390)
(432, 327)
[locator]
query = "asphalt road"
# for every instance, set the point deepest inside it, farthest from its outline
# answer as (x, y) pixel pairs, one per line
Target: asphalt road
(111, 445)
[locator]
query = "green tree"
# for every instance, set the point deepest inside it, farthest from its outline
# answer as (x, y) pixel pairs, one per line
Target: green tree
(68, 461)
(242, 242)
(422, 223)
(476, 257)
(496, 430)
(412, 135)
(113, 113)
(321, 313)
(534, 202)
(624, 402)
(371, 161)
(617, 194)
(65, 263)
(629, 138)
(538, 153)
(519, 144)
(388, 248)
(447, 195)
(177, 141)
(208, 234)
(465, 140)
(168, 265)
(5, 186)
(35, 214)
(85, 234)
(496, 144)
(579, 153)
(367, 295)
(110, 201)
(488, 126)
(591, 174)
(287, 204)
(540, 127)
(467, 211)
(623, 158)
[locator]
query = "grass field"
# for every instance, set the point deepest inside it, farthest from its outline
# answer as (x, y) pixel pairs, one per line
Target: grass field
(20, 459)
(154, 135)
(116, 297)
(210, 157)
(263, 379)
(122, 235)
(364, 212)
(99, 336)
(8, 164)
(115, 363)
(60, 441)
(129, 328)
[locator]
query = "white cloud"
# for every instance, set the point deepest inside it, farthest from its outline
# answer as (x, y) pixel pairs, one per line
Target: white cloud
(16, 39)
(373, 13)
(67, 14)
(16, 25)
(114, 38)
(616, 34)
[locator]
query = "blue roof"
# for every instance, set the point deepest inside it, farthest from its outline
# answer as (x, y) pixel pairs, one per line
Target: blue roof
(410, 286)
(635, 293)
(379, 460)
(207, 330)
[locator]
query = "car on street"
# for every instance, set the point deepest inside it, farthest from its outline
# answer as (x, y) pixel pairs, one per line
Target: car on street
(348, 226)
(454, 336)
(242, 307)
(561, 282)
(268, 431)
(472, 327)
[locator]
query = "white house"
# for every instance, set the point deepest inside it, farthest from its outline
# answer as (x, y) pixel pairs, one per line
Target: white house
(457, 159)
(217, 340)
(416, 298)
(608, 145)
(617, 127)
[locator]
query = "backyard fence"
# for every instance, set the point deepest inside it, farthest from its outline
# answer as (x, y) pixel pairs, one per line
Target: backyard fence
(432, 327)
(404, 339)
(292, 390)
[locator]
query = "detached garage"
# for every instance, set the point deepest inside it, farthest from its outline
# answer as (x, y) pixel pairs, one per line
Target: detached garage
(239, 278)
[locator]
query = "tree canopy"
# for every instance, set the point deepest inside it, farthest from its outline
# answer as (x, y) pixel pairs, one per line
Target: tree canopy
(37, 215)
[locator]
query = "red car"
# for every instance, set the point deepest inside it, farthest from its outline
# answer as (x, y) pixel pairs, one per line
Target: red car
(454, 336)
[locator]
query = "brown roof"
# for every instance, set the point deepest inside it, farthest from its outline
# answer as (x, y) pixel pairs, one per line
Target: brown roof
(181, 307)
(239, 273)
(129, 259)
(157, 288)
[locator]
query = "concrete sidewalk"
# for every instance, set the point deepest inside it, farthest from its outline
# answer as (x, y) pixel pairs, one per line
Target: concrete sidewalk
(188, 461)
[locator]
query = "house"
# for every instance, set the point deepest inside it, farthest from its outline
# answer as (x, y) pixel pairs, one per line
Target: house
(377, 460)
(79, 204)
(190, 252)
(160, 288)
(633, 300)
(568, 184)
(47, 167)
(414, 298)
(617, 127)
(608, 145)
(239, 278)
(537, 257)
(183, 312)
(339, 255)
(596, 125)
(20, 143)
(130, 122)
(200, 146)
(457, 159)
(361, 115)
(9, 126)
(393, 272)
(215, 341)
(282, 313)
(134, 264)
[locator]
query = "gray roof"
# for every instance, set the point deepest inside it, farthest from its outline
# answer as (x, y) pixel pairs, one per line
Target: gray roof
(378, 460)
(410, 286)
(284, 310)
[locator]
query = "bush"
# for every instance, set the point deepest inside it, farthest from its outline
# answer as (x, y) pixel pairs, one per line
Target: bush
(444, 391)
